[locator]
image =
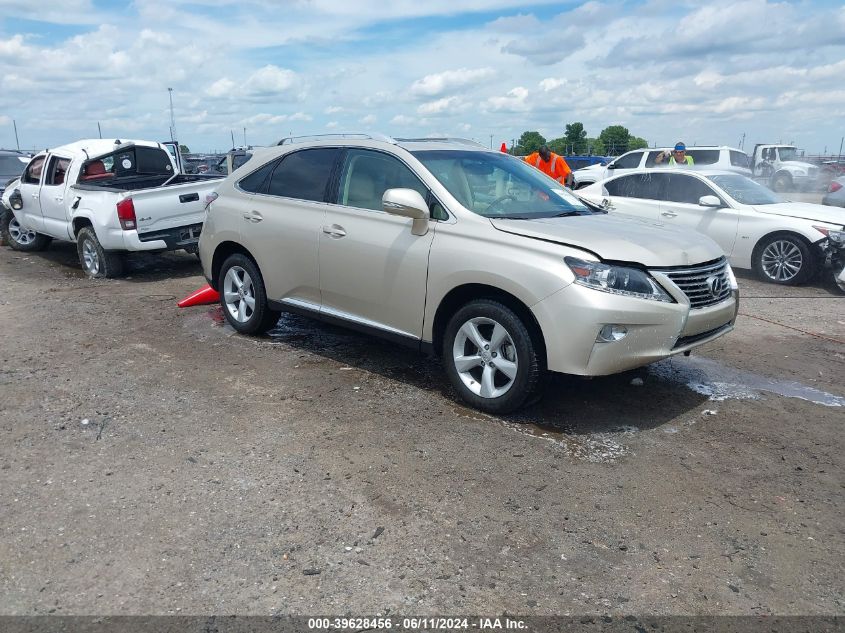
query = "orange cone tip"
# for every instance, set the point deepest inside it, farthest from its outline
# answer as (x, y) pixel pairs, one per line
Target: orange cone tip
(504, 148)
(201, 297)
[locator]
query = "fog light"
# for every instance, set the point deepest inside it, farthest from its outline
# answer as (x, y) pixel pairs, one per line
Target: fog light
(610, 333)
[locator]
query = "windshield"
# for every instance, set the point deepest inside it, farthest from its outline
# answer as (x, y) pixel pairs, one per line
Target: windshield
(788, 153)
(746, 191)
(497, 185)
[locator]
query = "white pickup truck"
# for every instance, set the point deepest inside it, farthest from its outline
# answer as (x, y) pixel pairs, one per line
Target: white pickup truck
(108, 196)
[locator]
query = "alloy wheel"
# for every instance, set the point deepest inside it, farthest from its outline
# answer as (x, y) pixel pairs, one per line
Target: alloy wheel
(90, 258)
(239, 294)
(20, 235)
(782, 260)
(485, 357)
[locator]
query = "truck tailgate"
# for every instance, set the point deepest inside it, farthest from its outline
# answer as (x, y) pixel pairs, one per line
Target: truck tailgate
(171, 207)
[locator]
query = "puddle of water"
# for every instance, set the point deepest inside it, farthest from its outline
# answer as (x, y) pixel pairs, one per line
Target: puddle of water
(720, 382)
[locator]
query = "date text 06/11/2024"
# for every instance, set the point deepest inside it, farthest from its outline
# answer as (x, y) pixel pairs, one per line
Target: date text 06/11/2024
(416, 624)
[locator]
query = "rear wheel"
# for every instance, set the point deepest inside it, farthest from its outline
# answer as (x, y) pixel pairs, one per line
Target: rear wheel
(490, 357)
(20, 238)
(243, 296)
(784, 259)
(97, 262)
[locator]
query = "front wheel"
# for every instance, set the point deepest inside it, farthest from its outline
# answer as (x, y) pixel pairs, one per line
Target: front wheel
(782, 183)
(490, 357)
(784, 259)
(97, 262)
(20, 238)
(243, 296)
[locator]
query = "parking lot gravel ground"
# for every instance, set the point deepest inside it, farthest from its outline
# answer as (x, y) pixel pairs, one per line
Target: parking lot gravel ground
(154, 462)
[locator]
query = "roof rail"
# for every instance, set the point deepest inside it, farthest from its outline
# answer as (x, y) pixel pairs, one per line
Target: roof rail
(336, 136)
(443, 139)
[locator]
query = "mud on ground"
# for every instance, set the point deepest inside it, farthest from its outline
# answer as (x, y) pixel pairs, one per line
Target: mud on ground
(154, 462)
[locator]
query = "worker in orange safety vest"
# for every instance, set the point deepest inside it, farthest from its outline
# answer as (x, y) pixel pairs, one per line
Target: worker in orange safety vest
(550, 164)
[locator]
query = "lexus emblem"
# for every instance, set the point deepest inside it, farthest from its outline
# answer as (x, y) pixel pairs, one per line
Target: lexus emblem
(717, 284)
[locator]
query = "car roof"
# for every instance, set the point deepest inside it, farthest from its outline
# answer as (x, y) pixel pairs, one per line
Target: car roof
(689, 147)
(705, 172)
(95, 147)
(356, 139)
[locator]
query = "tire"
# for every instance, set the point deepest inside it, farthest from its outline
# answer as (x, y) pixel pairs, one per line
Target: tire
(96, 262)
(488, 384)
(18, 238)
(782, 183)
(239, 282)
(784, 259)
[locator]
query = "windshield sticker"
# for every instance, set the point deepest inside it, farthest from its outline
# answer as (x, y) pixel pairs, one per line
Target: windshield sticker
(126, 163)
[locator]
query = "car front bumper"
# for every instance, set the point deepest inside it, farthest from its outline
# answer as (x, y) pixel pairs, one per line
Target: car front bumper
(572, 318)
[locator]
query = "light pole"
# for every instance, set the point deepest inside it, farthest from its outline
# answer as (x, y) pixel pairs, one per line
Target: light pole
(172, 118)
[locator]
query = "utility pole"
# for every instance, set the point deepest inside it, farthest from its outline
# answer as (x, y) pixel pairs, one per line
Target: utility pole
(233, 138)
(840, 147)
(15, 123)
(244, 138)
(99, 131)
(742, 142)
(172, 118)
(491, 141)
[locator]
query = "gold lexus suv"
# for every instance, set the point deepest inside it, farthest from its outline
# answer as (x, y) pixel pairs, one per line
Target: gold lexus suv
(450, 248)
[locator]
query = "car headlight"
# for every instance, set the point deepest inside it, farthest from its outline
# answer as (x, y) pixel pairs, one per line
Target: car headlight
(832, 235)
(619, 280)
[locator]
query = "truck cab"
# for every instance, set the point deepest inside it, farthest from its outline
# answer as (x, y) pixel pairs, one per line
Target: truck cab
(782, 168)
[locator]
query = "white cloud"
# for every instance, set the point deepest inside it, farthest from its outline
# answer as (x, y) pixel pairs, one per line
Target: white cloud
(550, 83)
(447, 105)
(333, 110)
(272, 81)
(448, 81)
(221, 88)
(514, 101)
(332, 125)
(401, 119)
(369, 119)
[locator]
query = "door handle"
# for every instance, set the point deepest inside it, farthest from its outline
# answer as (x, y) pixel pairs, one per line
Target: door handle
(59, 198)
(669, 214)
(334, 230)
(35, 195)
(253, 216)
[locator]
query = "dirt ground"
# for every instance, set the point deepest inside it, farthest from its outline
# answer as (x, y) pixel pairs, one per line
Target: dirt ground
(154, 462)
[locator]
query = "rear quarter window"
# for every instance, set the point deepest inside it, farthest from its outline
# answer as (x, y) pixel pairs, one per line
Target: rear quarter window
(739, 159)
(304, 174)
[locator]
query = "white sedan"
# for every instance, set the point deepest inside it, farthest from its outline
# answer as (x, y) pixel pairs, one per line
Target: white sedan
(783, 242)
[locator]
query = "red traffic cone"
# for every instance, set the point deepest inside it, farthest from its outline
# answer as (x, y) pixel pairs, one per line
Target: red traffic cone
(504, 148)
(201, 297)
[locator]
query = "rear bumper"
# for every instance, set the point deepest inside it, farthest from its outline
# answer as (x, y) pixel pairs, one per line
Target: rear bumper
(175, 238)
(572, 318)
(116, 239)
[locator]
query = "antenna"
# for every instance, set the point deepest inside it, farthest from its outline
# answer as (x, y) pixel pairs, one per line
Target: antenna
(99, 131)
(15, 123)
(172, 118)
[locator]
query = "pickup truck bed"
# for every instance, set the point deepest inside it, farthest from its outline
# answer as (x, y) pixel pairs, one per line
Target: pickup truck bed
(134, 183)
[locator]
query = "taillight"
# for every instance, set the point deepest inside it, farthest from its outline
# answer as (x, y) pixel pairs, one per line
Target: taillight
(834, 186)
(126, 214)
(209, 198)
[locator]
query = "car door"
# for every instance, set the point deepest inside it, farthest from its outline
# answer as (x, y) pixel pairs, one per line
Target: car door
(282, 221)
(638, 195)
(30, 188)
(682, 208)
(53, 188)
(373, 270)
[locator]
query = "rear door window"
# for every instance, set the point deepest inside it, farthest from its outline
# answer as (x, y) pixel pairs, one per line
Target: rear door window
(739, 159)
(304, 175)
(650, 186)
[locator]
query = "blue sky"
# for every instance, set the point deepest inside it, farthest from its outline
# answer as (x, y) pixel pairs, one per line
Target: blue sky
(667, 70)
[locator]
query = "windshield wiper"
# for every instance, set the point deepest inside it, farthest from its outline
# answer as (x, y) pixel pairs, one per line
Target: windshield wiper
(566, 214)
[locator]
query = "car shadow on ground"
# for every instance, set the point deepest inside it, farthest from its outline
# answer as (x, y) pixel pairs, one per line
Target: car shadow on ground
(140, 267)
(823, 281)
(569, 404)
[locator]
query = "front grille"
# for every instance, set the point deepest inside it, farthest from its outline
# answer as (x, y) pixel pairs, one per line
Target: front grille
(689, 340)
(705, 284)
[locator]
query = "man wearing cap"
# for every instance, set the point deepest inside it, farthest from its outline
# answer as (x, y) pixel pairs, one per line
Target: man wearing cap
(677, 156)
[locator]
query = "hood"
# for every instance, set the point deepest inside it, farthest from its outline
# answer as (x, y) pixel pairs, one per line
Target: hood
(805, 211)
(594, 167)
(797, 164)
(620, 238)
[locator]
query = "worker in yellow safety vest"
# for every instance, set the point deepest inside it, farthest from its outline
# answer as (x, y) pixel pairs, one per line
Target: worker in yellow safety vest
(550, 164)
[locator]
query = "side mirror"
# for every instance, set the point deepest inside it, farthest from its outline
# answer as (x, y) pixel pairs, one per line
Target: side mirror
(612, 166)
(16, 200)
(710, 201)
(409, 204)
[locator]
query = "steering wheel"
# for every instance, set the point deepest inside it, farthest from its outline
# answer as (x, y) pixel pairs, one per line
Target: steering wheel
(499, 200)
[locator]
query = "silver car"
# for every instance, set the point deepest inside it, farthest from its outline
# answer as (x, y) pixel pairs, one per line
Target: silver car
(835, 196)
(449, 248)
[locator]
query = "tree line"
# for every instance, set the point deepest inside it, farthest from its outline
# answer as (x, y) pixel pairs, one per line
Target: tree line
(613, 141)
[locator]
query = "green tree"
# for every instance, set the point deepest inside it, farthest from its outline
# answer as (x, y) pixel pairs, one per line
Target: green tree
(576, 137)
(184, 149)
(615, 139)
(558, 145)
(530, 142)
(595, 146)
(635, 142)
